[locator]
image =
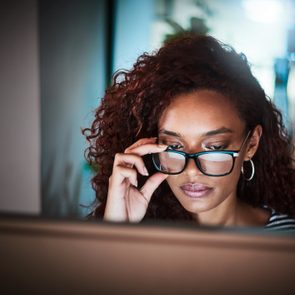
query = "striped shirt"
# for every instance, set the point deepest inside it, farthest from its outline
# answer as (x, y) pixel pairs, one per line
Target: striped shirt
(280, 222)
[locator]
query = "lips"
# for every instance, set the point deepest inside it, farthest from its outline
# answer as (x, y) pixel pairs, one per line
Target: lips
(195, 190)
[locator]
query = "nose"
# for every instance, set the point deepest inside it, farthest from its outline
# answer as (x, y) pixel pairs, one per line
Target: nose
(192, 168)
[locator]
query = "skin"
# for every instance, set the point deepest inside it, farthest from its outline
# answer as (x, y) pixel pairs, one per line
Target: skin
(203, 120)
(126, 202)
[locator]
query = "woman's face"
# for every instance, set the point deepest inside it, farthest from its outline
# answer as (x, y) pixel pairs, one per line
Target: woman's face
(203, 121)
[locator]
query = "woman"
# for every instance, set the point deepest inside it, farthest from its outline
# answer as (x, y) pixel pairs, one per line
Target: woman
(189, 134)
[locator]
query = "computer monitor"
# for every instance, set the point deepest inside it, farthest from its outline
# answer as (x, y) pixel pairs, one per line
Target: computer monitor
(73, 257)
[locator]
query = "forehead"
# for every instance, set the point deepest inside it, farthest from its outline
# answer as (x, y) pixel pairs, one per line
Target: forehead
(199, 112)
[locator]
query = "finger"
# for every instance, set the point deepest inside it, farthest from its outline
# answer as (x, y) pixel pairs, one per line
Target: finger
(136, 205)
(122, 174)
(130, 160)
(141, 142)
(152, 184)
(147, 149)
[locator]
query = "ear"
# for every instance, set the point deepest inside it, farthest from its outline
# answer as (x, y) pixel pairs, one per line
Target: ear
(253, 143)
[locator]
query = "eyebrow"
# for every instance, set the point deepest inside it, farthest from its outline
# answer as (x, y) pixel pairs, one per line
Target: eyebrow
(209, 133)
(218, 131)
(167, 132)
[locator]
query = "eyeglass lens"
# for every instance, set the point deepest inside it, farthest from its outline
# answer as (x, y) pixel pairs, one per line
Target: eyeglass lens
(213, 163)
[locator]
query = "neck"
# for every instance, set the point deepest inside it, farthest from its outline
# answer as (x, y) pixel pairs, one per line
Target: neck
(233, 212)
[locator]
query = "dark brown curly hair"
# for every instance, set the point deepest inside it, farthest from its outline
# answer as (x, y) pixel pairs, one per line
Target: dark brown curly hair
(133, 104)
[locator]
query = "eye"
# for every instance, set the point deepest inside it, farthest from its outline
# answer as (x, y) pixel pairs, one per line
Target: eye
(216, 147)
(172, 144)
(175, 146)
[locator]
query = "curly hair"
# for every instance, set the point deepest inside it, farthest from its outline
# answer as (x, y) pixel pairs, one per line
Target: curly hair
(133, 104)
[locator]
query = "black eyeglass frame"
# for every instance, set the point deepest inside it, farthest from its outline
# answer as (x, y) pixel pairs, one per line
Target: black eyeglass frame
(195, 156)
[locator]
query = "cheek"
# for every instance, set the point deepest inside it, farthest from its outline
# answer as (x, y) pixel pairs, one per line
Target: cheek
(174, 181)
(237, 167)
(230, 181)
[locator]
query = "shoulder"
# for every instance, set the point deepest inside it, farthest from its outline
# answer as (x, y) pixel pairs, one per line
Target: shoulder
(280, 222)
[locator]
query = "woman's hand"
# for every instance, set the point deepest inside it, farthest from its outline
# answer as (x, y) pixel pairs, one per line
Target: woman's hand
(125, 201)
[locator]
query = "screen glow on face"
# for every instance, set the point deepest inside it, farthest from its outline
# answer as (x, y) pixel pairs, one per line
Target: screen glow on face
(212, 163)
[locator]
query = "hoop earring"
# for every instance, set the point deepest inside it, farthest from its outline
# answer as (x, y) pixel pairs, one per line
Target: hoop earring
(252, 172)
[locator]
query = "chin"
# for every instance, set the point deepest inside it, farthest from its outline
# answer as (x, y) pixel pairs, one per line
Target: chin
(195, 206)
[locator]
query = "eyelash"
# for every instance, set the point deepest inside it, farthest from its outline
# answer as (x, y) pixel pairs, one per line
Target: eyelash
(178, 146)
(175, 146)
(216, 147)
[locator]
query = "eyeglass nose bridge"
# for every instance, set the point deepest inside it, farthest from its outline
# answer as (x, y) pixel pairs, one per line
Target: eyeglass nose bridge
(194, 157)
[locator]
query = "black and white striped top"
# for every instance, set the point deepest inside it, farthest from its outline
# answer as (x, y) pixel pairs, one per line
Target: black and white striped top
(280, 222)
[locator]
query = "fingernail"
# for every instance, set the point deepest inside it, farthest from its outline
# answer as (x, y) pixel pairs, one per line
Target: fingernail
(145, 172)
(135, 183)
(162, 146)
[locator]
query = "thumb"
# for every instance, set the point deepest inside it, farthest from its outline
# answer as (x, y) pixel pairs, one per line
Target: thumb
(152, 184)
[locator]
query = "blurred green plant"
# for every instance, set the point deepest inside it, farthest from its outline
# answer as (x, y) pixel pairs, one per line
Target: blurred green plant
(61, 199)
(197, 27)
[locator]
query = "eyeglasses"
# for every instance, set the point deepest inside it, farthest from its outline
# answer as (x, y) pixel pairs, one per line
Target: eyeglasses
(210, 163)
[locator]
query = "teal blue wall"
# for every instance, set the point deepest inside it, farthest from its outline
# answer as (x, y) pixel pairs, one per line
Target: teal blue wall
(132, 31)
(72, 67)
(73, 63)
